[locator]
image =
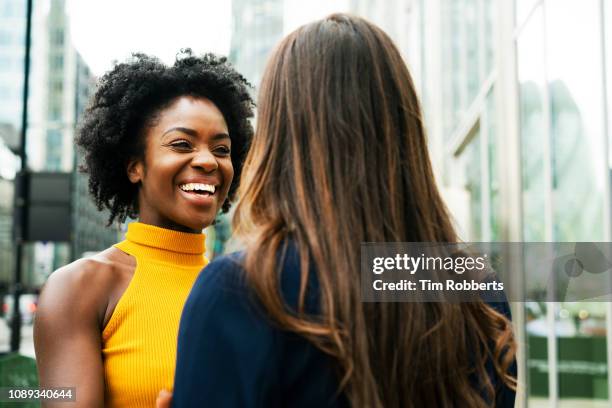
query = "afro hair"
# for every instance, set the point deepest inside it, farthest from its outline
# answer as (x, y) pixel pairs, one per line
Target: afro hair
(127, 101)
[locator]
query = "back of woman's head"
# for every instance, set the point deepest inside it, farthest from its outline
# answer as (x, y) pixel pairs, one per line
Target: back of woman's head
(340, 127)
(340, 157)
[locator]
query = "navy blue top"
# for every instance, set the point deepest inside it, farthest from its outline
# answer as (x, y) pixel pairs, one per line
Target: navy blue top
(231, 355)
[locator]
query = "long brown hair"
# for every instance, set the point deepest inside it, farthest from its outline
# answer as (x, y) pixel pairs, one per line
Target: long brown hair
(340, 157)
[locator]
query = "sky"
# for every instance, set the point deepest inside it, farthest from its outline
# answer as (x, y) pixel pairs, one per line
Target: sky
(104, 31)
(299, 12)
(107, 30)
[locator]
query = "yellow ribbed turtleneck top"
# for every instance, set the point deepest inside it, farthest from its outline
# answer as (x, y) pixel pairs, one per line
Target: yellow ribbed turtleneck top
(139, 341)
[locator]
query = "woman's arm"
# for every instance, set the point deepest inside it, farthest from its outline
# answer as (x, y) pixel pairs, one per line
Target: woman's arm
(67, 331)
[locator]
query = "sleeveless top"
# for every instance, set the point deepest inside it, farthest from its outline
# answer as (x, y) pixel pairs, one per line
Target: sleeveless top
(139, 341)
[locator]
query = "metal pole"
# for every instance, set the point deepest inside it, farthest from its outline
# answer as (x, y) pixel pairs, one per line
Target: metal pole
(606, 171)
(21, 190)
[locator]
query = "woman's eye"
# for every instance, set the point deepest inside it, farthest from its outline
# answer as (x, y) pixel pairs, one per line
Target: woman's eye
(223, 150)
(181, 145)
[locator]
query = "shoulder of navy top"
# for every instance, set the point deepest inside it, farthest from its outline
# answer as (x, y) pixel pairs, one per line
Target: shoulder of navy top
(277, 368)
(228, 272)
(230, 354)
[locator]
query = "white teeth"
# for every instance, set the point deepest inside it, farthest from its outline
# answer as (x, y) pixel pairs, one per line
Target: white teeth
(198, 187)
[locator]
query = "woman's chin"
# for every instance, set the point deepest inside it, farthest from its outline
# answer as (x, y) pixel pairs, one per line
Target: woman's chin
(200, 226)
(197, 229)
(190, 227)
(196, 222)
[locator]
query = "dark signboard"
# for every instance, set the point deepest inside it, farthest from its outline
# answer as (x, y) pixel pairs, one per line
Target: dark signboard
(48, 207)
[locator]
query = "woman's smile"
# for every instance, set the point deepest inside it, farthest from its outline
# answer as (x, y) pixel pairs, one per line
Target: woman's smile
(200, 192)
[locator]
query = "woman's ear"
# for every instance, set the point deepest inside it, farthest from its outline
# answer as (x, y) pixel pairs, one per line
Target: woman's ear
(135, 170)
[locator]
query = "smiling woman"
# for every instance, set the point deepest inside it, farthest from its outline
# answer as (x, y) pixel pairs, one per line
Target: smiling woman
(190, 148)
(164, 144)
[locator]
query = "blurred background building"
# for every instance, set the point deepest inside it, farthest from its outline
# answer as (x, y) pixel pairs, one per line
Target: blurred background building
(60, 85)
(12, 31)
(257, 25)
(516, 96)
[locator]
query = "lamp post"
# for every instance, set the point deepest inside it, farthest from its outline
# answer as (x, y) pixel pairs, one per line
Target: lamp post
(20, 219)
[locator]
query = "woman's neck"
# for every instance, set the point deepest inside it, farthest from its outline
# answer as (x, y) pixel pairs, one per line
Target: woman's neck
(167, 224)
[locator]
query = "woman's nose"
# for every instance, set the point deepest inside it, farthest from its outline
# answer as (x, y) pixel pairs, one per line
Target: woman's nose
(205, 160)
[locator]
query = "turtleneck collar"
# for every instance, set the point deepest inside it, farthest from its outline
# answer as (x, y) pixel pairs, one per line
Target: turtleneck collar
(165, 245)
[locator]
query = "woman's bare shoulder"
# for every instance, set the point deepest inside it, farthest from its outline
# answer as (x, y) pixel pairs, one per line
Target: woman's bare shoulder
(84, 286)
(69, 320)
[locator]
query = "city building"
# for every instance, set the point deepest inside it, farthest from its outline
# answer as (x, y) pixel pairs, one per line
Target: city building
(8, 165)
(12, 46)
(517, 97)
(90, 231)
(517, 104)
(400, 20)
(60, 85)
(257, 25)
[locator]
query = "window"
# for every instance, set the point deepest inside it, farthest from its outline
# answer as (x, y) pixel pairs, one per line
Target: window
(532, 83)
(57, 85)
(473, 185)
(494, 213)
(57, 37)
(55, 111)
(523, 8)
(57, 62)
(5, 37)
(563, 175)
(54, 149)
(576, 109)
(608, 40)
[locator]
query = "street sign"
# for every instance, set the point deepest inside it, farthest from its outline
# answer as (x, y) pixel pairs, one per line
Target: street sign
(48, 207)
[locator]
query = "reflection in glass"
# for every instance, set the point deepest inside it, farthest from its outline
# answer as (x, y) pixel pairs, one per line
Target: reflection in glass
(463, 22)
(473, 186)
(523, 8)
(451, 64)
(576, 119)
(489, 35)
(532, 82)
(494, 203)
(581, 343)
(472, 49)
(608, 40)
(536, 329)
(531, 77)
(576, 114)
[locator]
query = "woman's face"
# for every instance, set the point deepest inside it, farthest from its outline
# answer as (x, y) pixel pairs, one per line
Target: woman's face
(187, 168)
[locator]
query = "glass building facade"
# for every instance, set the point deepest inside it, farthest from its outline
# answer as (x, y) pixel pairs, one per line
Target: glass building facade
(516, 99)
(517, 102)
